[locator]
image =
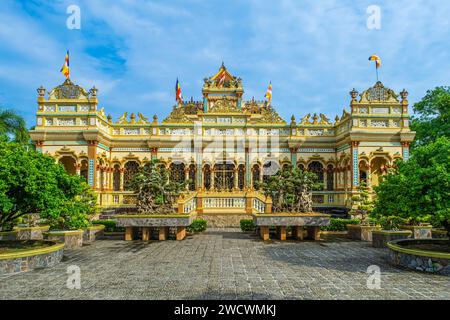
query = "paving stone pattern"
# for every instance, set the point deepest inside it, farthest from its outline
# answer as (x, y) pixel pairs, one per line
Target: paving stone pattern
(226, 264)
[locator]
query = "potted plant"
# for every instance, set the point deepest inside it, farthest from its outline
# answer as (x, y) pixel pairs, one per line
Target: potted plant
(362, 207)
(160, 204)
(289, 204)
(390, 230)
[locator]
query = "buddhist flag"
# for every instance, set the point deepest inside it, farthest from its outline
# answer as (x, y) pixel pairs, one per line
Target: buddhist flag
(178, 92)
(65, 69)
(269, 94)
(376, 59)
(222, 78)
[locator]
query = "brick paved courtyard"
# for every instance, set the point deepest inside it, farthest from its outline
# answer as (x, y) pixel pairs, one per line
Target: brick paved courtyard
(225, 264)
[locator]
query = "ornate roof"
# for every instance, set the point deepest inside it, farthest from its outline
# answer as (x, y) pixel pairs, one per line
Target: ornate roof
(69, 90)
(379, 93)
(223, 79)
(178, 115)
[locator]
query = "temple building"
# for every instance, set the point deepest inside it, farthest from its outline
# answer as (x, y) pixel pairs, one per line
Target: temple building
(222, 145)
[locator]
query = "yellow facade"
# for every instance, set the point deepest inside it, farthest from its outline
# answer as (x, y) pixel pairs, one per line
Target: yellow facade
(223, 144)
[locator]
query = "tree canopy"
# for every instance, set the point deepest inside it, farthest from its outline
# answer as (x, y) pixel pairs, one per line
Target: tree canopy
(419, 189)
(33, 183)
(13, 127)
(433, 116)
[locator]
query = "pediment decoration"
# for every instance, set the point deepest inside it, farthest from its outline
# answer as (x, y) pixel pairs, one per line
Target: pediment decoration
(224, 105)
(68, 90)
(269, 115)
(379, 93)
(177, 115)
(222, 79)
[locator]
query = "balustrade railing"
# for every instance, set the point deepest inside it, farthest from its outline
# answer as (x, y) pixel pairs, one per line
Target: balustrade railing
(225, 203)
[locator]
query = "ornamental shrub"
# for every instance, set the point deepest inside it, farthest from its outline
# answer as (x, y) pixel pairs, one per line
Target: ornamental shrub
(110, 225)
(198, 225)
(247, 225)
(338, 224)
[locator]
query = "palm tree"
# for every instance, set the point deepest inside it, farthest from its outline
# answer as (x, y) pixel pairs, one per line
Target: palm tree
(13, 125)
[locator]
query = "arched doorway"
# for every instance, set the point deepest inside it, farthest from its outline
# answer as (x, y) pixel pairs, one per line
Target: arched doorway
(207, 177)
(116, 177)
(69, 164)
(241, 177)
(317, 168)
(192, 177)
(330, 177)
(256, 176)
(177, 173)
(84, 169)
(378, 167)
(224, 176)
(131, 168)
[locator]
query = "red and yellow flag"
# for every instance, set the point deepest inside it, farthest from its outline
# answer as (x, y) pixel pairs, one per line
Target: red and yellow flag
(269, 94)
(377, 60)
(65, 69)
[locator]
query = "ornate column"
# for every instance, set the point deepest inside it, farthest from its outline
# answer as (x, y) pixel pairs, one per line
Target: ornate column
(236, 178)
(248, 170)
(355, 164)
(186, 177)
(213, 173)
(92, 152)
(122, 178)
(78, 168)
(405, 150)
(294, 157)
(154, 152)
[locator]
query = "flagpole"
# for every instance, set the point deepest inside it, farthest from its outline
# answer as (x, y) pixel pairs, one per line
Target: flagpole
(376, 69)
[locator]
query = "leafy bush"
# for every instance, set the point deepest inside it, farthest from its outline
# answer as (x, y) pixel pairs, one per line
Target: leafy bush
(418, 188)
(198, 225)
(110, 225)
(247, 225)
(337, 224)
(31, 182)
(392, 222)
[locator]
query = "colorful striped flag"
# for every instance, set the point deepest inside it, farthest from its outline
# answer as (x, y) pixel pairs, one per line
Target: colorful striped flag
(178, 96)
(269, 94)
(65, 69)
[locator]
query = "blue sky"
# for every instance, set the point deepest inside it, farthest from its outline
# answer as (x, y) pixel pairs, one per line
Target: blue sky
(314, 52)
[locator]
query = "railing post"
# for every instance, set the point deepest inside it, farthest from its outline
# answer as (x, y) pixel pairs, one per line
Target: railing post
(249, 202)
(268, 208)
(199, 203)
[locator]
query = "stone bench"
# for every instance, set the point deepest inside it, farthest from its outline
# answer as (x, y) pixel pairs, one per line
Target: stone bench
(299, 221)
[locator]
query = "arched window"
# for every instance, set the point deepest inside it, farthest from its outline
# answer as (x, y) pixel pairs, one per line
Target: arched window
(131, 168)
(330, 177)
(192, 177)
(207, 177)
(84, 169)
(256, 175)
(378, 167)
(69, 164)
(301, 166)
(177, 172)
(286, 166)
(317, 168)
(116, 178)
(270, 169)
(241, 177)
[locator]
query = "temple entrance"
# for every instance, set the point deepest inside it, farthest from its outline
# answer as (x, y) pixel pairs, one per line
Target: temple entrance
(224, 176)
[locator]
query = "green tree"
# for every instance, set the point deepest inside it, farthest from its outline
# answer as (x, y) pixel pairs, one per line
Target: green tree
(13, 126)
(433, 120)
(362, 204)
(419, 189)
(156, 192)
(31, 183)
(291, 190)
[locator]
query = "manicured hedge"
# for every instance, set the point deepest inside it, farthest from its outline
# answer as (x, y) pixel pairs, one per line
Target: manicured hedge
(198, 225)
(110, 225)
(247, 225)
(337, 224)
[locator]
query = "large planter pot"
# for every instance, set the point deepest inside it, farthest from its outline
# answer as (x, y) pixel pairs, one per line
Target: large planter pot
(46, 255)
(419, 232)
(439, 233)
(8, 235)
(71, 238)
(311, 221)
(380, 238)
(93, 233)
(361, 232)
(31, 233)
(133, 223)
(402, 253)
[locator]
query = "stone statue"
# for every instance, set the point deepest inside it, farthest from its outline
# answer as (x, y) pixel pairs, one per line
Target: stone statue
(305, 119)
